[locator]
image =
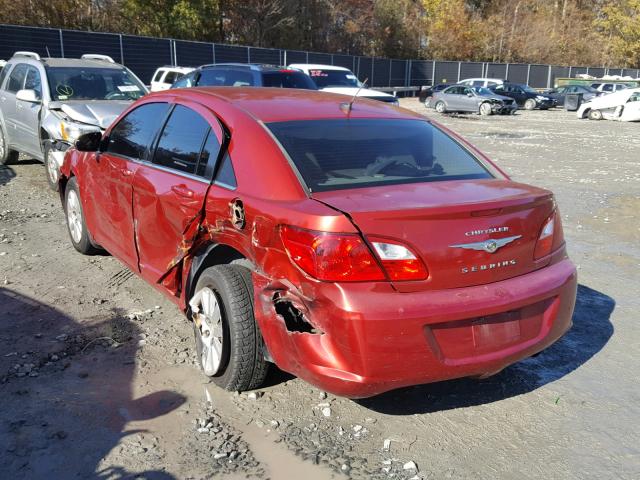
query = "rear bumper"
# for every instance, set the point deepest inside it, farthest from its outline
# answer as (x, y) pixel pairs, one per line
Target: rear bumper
(375, 339)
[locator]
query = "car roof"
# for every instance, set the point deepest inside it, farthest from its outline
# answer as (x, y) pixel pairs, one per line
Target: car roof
(67, 62)
(318, 66)
(286, 104)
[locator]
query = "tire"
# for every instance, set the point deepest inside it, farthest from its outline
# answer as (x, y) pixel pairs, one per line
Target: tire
(236, 362)
(595, 115)
(51, 168)
(530, 104)
(76, 226)
(7, 156)
(485, 109)
(441, 107)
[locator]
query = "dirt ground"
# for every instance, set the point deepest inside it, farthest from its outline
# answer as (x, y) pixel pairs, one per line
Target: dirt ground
(97, 378)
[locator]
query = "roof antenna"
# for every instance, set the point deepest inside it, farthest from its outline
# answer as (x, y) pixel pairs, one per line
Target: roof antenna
(348, 106)
(48, 54)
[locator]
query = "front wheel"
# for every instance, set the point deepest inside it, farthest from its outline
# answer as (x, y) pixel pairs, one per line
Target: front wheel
(229, 345)
(530, 104)
(441, 107)
(51, 167)
(595, 115)
(485, 109)
(78, 232)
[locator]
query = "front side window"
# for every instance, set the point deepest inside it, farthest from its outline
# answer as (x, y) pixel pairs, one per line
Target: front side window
(171, 77)
(333, 78)
(350, 153)
(79, 83)
(16, 79)
(3, 73)
(132, 136)
(181, 140)
(33, 82)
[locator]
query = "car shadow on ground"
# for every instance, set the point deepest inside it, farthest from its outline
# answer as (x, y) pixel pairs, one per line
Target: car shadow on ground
(67, 394)
(6, 174)
(590, 333)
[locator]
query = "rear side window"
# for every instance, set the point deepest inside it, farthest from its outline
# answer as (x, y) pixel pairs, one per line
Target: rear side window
(226, 176)
(171, 77)
(3, 73)
(350, 153)
(288, 79)
(16, 79)
(181, 140)
(132, 136)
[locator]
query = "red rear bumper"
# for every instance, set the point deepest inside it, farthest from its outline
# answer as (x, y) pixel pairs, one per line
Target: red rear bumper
(375, 339)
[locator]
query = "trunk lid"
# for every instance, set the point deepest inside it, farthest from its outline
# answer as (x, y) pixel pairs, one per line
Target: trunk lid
(446, 224)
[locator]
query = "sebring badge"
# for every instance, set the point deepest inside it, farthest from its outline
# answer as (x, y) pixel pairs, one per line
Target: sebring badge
(489, 246)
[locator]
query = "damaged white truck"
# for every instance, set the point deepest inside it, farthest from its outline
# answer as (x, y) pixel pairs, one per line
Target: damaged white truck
(47, 103)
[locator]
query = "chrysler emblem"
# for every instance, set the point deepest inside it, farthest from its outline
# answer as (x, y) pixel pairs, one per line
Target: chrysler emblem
(489, 246)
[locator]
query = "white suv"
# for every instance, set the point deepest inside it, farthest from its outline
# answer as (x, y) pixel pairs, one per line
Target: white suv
(608, 87)
(164, 77)
(330, 78)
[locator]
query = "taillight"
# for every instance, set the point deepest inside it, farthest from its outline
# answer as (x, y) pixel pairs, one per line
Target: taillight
(332, 257)
(345, 257)
(544, 244)
(399, 262)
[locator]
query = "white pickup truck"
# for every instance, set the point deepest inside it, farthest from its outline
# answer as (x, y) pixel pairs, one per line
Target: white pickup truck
(330, 78)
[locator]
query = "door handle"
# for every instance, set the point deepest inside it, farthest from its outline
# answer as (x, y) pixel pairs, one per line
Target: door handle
(182, 190)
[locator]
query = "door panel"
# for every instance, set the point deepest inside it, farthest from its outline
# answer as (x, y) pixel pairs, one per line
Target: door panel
(28, 115)
(14, 83)
(169, 195)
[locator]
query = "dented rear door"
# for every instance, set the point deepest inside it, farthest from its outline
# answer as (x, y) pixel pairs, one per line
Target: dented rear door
(169, 193)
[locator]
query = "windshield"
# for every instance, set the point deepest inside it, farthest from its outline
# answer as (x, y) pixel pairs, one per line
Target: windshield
(528, 89)
(482, 91)
(351, 153)
(73, 83)
(334, 78)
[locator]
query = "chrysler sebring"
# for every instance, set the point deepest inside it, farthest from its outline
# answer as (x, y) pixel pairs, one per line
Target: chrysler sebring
(354, 244)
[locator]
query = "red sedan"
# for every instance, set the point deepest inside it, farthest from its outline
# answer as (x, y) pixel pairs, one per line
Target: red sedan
(360, 247)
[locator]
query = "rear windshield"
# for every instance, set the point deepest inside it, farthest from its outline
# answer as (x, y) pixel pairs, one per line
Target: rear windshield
(288, 79)
(350, 153)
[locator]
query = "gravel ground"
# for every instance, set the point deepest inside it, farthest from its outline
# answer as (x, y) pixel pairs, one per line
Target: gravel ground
(98, 381)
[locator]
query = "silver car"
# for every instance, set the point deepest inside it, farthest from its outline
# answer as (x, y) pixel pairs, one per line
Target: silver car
(47, 103)
(461, 98)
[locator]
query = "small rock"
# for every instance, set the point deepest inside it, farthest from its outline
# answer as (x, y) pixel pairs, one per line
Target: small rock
(326, 411)
(203, 430)
(218, 456)
(322, 395)
(410, 466)
(252, 396)
(357, 428)
(274, 424)
(386, 445)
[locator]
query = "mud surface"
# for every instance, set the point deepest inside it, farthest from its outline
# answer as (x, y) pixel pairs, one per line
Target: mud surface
(97, 377)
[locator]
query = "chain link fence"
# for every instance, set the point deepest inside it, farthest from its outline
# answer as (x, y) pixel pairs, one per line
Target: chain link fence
(144, 54)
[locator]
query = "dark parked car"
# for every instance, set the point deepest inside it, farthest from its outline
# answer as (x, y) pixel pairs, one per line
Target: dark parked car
(525, 96)
(362, 249)
(245, 75)
(427, 92)
(460, 98)
(560, 93)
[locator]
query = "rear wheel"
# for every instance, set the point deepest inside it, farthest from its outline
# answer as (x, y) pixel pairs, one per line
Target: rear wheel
(485, 109)
(76, 225)
(7, 156)
(595, 115)
(441, 107)
(229, 345)
(530, 104)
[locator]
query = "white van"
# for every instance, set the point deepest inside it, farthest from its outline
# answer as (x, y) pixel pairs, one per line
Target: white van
(330, 78)
(164, 77)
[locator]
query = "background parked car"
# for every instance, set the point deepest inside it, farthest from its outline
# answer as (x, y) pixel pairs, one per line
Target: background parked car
(560, 93)
(623, 105)
(608, 87)
(164, 77)
(482, 82)
(461, 98)
(245, 75)
(330, 78)
(525, 96)
(427, 92)
(47, 103)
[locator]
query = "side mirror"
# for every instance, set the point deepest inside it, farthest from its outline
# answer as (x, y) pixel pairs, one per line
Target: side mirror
(89, 142)
(30, 96)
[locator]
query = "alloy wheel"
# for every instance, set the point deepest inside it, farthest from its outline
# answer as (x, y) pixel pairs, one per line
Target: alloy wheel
(52, 167)
(207, 317)
(74, 216)
(2, 145)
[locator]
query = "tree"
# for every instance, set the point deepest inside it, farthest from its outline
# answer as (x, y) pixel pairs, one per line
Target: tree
(619, 27)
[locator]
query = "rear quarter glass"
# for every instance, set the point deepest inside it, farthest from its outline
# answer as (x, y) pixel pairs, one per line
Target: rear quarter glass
(336, 154)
